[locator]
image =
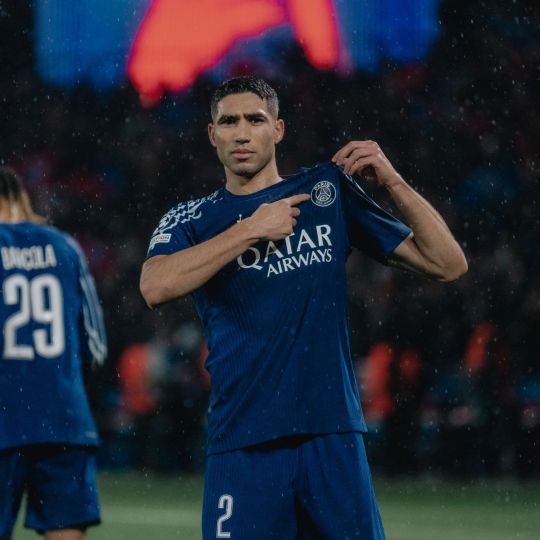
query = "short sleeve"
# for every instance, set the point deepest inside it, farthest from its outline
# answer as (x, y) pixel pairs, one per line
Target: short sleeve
(171, 235)
(371, 229)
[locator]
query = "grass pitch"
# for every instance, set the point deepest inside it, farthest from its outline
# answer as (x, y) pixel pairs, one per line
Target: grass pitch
(137, 506)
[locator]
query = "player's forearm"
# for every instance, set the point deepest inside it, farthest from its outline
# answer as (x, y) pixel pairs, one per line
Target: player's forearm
(442, 256)
(165, 278)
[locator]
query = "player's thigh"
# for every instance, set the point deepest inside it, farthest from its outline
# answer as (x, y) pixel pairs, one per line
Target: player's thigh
(62, 488)
(335, 490)
(12, 475)
(248, 495)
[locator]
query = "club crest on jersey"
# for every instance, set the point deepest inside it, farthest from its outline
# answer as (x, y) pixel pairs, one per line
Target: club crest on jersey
(323, 193)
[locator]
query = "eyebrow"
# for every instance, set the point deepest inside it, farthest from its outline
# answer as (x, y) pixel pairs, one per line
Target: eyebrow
(235, 117)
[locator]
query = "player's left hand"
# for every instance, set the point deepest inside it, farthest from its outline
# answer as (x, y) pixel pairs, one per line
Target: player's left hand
(366, 159)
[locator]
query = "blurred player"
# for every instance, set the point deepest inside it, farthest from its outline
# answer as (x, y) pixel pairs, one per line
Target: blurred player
(264, 259)
(51, 327)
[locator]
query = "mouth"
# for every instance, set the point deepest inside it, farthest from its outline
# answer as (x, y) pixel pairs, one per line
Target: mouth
(242, 154)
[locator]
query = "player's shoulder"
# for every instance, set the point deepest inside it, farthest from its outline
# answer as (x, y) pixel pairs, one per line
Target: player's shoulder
(59, 236)
(61, 240)
(41, 238)
(188, 211)
(36, 232)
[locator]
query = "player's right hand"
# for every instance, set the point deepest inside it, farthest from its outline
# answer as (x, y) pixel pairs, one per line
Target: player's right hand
(276, 221)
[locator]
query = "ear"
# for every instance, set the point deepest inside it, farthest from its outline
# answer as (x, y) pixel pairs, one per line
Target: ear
(279, 130)
(211, 135)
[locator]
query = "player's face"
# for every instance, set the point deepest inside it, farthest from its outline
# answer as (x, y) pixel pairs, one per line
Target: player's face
(245, 133)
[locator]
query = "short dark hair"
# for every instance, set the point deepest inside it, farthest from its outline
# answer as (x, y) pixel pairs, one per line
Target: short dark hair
(12, 192)
(240, 85)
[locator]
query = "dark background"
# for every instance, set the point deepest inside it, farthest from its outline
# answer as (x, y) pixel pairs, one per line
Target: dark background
(451, 373)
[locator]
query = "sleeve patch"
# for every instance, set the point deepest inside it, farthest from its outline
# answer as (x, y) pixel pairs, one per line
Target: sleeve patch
(160, 239)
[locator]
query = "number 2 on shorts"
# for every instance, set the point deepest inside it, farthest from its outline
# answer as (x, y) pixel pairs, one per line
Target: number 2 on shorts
(225, 502)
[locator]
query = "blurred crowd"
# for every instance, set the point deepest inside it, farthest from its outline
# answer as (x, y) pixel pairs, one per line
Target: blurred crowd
(450, 374)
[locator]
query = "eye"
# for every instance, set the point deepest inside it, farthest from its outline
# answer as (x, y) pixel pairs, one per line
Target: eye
(227, 120)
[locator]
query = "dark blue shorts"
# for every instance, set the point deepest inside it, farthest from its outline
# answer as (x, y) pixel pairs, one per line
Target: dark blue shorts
(60, 483)
(316, 488)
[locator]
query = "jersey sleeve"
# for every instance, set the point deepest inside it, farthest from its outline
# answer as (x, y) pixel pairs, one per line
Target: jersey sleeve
(92, 327)
(371, 229)
(171, 235)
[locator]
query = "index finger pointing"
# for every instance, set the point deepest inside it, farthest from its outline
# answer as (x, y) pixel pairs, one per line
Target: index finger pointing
(293, 200)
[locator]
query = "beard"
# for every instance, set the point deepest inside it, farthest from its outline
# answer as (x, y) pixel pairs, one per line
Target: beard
(245, 170)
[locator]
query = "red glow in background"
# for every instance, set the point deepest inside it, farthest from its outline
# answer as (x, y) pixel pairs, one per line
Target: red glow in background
(177, 41)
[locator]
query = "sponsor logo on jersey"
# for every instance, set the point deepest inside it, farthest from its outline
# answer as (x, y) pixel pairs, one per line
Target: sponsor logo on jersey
(28, 258)
(300, 249)
(160, 239)
(323, 193)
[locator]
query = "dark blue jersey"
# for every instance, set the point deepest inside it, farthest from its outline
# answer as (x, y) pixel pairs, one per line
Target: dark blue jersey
(51, 323)
(276, 317)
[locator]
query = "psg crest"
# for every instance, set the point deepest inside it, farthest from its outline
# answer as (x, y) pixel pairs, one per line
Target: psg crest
(323, 193)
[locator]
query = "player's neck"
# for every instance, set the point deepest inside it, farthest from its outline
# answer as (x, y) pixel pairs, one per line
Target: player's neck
(243, 185)
(10, 214)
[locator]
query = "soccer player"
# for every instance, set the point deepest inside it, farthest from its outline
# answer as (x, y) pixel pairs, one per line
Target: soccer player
(264, 260)
(51, 327)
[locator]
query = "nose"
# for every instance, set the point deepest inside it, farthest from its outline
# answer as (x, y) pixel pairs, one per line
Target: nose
(243, 132)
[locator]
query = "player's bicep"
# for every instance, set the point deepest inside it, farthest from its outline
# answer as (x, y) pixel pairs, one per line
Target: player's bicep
(163, 277)
(407, 256)
(151, 261)
(150, 266)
